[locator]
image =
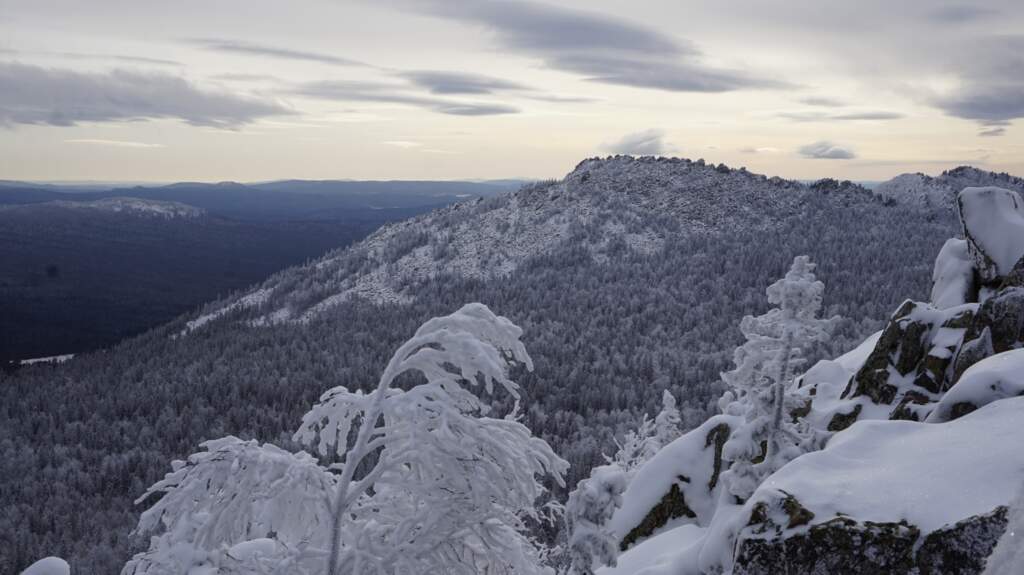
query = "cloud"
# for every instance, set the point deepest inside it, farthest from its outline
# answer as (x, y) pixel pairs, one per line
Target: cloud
(251, 49)
(352, 91)
(821, 101)
(601, 48)
(991, 82)
(58, 97)
(759, 150)
(89, 56)
(440, 82)
(113, 143)
(961, 13)
(816, 116)
(825, 150)
(645, 143)
(995, 131)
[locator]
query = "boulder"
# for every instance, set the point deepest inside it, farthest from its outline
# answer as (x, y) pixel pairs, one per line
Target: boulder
(992, 220)
(994, 378)
(681, 482)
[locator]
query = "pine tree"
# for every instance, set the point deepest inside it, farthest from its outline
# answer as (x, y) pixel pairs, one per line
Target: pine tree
(759, 384)
(667, 423)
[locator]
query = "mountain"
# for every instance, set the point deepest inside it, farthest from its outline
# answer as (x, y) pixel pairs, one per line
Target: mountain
(629, 277)
(927, 191)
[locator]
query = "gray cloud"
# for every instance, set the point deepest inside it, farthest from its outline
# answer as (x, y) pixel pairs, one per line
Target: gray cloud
(995, 131)
(350, 91)
(816, 116)
(645, 143)
(251, 49)
(36, 95)
(601, 48)
(825, 150)
(991, 90)
(442, 82)
(960, 13)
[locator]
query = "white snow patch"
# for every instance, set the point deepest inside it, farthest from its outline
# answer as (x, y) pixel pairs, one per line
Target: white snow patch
(997, 377)
(953, 277)
(48, 359)
(138, 206)
(48, 566)
(658, 551)
(254, 299)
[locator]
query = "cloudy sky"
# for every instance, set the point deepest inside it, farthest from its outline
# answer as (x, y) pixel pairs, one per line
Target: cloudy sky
(445, 89)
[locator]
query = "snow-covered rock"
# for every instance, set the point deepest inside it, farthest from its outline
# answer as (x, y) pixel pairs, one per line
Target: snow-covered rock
(993, 223)
(655, 552)
(997, 377)
(680, 484)
(953, 278)
(910, 365)
(48, 566)
(890, 497)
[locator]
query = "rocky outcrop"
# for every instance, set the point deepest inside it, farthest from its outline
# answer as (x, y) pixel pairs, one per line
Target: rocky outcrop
(912, 361)
(843, 545)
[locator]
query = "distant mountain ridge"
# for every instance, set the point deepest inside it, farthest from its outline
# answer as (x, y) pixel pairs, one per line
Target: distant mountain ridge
(940, 191)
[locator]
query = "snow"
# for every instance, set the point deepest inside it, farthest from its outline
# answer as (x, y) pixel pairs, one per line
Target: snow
(994, 220)
(689, 456)
(916, 189)
(929, 475)
(658, 551)
(253, 299)
(953, 278)
(854, 359)
(137, 206)
(48, 566)
(994, 378)
(48, 359)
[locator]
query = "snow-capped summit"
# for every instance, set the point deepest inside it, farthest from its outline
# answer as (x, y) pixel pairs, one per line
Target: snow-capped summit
(604, 204)
(939, 192)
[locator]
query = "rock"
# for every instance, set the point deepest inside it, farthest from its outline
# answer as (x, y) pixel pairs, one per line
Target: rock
(992, 220)
(843, 545)
(997, 327)
(1000, 376)
(913, 360)
(840, 545)
(672, 506)
(962, 548)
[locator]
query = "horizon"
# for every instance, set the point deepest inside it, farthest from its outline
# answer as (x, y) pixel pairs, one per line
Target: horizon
(431, 90)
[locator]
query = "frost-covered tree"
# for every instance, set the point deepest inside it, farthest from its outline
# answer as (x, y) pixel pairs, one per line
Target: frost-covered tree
(589, 508)
(425, 482)
(636, 447)
(764, 370)
(667, 422)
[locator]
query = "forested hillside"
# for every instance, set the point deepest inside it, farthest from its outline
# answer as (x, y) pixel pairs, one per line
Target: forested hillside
(628, 277)
(81, 269)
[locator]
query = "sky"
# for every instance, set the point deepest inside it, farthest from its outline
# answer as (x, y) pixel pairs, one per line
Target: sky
(254, 90)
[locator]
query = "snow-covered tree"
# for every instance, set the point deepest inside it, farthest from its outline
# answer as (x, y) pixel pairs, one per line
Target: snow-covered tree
(759, 384)
(589, 508)
(636, 447)
(667, 422)
(425, 481)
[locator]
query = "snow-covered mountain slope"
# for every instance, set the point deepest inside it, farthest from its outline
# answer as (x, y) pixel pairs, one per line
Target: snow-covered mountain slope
(939, 192)
(635, 203)
(136, 206)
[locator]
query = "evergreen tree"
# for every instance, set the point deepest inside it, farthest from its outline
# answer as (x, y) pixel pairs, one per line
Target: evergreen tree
(765, 365)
